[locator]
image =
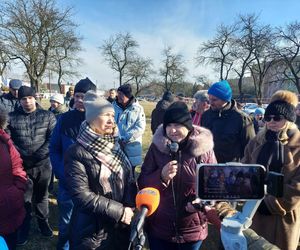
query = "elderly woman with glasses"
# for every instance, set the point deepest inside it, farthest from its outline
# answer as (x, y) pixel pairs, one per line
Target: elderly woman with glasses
(277, 147)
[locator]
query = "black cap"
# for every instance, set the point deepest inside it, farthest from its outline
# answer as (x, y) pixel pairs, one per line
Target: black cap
(25, 91)
(84, 85)
(126, 90)
(178, 112)
(168, 96)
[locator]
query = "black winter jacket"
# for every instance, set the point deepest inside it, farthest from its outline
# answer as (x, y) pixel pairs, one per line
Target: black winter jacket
(31, 133)
(158, 113)
(232, 129)
(9, 102)
(96, 217)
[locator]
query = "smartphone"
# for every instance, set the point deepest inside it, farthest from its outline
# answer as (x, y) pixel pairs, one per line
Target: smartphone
(230, 181)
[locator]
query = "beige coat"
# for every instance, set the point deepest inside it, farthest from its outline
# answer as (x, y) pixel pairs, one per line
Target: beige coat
(282, 228)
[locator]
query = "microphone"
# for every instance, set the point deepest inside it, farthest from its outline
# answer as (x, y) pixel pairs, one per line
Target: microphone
(147, 201)
(173, 146)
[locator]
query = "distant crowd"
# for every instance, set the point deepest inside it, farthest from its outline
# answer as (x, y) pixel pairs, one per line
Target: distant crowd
(93, 145)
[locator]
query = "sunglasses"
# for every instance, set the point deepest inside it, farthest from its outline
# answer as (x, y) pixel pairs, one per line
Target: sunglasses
(276, 118)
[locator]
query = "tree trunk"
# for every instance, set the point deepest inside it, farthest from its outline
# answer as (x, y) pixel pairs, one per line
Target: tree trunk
(297, 83)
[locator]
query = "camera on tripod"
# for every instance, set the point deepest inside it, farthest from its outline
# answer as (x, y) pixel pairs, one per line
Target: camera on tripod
(237, 181)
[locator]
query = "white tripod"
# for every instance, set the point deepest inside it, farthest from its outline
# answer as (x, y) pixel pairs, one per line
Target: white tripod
(232, 228)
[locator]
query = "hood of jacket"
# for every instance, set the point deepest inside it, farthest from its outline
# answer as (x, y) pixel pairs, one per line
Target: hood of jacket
(163, 104)
(199, 141)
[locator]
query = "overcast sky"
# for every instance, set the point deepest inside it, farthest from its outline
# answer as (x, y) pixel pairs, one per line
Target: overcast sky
(155, 24)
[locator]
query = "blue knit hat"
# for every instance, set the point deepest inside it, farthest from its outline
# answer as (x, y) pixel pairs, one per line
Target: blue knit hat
(259, 111)
(221, 90)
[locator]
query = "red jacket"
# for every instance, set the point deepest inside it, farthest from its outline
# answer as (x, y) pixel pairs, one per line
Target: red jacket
(12, 186)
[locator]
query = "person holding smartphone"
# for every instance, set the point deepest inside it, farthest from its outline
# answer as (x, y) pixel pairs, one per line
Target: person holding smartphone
(170, 166)
(276, 147)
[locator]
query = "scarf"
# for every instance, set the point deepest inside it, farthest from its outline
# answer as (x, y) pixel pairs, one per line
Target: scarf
(196, 120)
(115, 166)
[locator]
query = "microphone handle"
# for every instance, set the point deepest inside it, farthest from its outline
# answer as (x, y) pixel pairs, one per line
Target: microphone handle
(138, 223)
(141, 218)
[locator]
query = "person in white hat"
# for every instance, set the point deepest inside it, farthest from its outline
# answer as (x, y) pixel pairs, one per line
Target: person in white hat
(57, 104)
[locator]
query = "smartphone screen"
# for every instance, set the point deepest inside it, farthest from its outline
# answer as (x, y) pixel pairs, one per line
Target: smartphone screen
(230, 181)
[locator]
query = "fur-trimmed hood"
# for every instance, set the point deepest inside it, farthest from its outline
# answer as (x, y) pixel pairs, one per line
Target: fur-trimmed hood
(199, 142)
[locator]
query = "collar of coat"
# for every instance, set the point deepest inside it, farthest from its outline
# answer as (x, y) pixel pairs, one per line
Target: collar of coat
(199, 142)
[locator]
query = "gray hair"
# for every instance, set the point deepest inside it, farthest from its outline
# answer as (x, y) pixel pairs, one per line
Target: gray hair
(3, 118)
(201, 95)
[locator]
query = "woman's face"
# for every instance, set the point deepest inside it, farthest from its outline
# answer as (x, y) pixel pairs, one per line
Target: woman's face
(176, 132)
(104, 124)
(275, 124)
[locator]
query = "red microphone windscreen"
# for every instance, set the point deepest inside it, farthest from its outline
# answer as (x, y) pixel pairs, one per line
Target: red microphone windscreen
(148, 197)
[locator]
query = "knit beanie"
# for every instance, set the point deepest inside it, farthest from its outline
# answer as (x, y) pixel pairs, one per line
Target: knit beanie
(178, 112)
(95, 105)
(221, 90)
(84, 85)
(126, 90)
(259, 111)
(168, 96)
(15, 83)
(25, 91)
(57, 98)
(284, 103)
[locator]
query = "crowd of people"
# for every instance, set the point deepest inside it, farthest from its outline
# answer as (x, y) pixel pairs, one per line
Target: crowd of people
(93, 146)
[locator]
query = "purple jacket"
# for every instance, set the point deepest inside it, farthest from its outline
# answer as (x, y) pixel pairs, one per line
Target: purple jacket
(189, 226)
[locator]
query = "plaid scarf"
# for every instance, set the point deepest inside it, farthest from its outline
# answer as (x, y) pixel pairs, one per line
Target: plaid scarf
(107, 150)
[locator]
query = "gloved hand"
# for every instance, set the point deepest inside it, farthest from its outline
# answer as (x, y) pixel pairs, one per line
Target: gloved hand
(224, 209)
(215, 214)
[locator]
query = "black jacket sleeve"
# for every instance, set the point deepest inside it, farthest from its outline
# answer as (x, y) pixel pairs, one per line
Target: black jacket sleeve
(79, 188)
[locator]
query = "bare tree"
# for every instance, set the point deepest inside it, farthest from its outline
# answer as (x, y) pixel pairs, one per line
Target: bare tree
(218, 51)
(65, 60)
(30, 29)
(4, 58)
(254, 43)
(264, 58)
(120, 51)
(139, 71)
(243, 46)
(173, 70)
(203, 81)
(288, 51)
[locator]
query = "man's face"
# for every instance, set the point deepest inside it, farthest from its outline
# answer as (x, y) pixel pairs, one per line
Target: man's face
(14, 92)
(28, 104)
(78, 101)
(112, 94)
(122, 98)
(216, 103)
(54, 104)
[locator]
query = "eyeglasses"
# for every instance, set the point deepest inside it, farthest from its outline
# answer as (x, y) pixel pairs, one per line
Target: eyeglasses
(276, 118)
